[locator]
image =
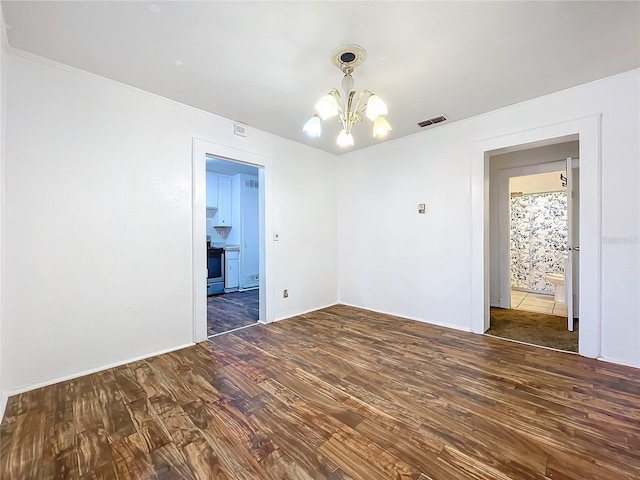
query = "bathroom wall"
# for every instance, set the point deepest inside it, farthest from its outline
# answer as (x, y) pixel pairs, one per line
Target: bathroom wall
(538, 235)
(541, 182)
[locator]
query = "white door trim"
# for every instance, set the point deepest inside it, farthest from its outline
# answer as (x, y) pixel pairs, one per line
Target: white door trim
(200, 150)
(588, 130)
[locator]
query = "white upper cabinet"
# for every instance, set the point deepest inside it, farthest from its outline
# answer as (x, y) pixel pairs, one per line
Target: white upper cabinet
(223, 217)
(212, 190)
(219, 198)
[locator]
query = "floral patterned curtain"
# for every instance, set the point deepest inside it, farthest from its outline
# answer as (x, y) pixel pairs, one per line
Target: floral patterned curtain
(538, 233)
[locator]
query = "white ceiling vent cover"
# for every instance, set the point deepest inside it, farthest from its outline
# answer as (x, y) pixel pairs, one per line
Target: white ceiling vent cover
(239, 130)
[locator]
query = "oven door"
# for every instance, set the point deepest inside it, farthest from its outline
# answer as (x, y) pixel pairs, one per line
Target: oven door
(215, 268)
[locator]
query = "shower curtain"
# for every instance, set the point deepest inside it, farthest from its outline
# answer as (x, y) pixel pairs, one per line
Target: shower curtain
(538, 234)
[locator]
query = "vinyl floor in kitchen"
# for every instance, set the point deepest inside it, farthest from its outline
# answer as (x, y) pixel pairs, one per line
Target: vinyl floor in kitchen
(231, 310)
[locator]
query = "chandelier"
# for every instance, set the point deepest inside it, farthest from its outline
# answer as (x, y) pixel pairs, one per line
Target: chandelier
(351, 109)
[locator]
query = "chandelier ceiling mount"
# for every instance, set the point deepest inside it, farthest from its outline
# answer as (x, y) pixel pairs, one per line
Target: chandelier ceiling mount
(350, 108)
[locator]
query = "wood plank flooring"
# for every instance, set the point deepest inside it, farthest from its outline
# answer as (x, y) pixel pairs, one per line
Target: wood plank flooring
(232, 310)
(340, 393)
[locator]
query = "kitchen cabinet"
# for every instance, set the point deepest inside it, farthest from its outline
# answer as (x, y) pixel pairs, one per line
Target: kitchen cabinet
(231, 277)
(219, 199)
(212, 190)
(223, 217)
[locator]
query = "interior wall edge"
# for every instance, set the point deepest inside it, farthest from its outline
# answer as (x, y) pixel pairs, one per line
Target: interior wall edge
(105, 80)
(3, 48)
(435, 323)
(3, 406)
(13, 51)
(82, 373)
(278, 319)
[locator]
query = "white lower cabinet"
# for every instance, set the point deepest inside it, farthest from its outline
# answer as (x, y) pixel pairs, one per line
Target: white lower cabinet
(231, 277)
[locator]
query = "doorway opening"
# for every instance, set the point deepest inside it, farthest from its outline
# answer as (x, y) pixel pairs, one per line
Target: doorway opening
(534, 237)
(233, 245)
(239, 181)
(586, 130)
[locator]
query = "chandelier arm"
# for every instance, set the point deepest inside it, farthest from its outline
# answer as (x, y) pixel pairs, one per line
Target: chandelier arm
(350, 114)
(360, 106)
(336, 94)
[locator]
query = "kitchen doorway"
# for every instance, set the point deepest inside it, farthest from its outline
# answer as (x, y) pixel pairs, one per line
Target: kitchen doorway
(232, 225)
(231, 268)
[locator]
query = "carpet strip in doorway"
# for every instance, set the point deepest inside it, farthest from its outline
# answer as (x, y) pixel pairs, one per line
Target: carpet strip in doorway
(534, 328)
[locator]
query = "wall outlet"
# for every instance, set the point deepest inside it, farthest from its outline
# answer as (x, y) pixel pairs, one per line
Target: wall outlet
(285, 293)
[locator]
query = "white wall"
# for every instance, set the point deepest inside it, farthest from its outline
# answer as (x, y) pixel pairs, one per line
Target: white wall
(3, 396)
(394, 260)
(98, 221)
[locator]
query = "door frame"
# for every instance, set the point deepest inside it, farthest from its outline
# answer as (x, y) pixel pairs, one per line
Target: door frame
(588, 131)
(200, 150)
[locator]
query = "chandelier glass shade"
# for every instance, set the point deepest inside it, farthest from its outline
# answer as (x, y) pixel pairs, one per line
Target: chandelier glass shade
(351, 107)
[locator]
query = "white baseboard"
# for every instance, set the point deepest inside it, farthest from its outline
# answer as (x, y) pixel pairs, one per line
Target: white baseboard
(618, 362)
(430, 322)
(83, 373)
(306, 311)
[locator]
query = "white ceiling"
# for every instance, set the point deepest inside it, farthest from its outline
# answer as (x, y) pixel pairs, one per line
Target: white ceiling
(265, 64)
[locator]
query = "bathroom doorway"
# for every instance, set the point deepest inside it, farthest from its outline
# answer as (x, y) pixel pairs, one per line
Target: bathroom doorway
(534, 246)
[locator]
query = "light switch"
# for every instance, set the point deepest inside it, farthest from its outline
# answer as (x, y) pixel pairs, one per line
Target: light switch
(422, 208)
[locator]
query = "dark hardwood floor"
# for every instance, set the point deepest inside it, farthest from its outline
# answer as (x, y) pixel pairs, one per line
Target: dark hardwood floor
(340, 393)
(232, 310)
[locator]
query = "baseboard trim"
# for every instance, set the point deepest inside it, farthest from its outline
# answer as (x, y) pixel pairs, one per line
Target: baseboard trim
(35, 386)
(306, 311)
(430, 322)
(617, 362)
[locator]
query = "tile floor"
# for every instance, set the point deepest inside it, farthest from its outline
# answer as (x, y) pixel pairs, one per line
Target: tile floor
(537, 302)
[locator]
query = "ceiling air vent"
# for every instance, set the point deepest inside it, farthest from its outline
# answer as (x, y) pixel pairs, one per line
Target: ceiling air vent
(432, 121)
(239, 130)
